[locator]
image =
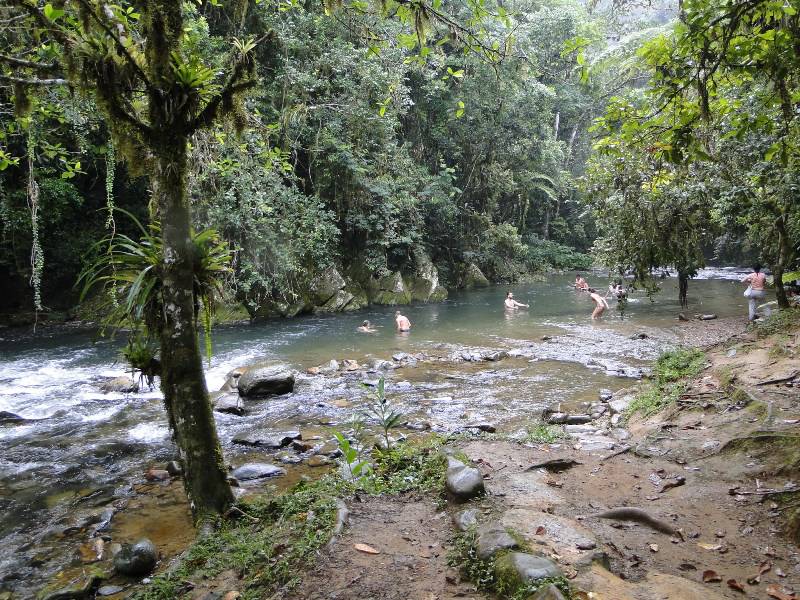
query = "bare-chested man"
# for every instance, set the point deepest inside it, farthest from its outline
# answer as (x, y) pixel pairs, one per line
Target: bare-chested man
(580, 283)
(510, 303)
(600, 303)
(403, 324)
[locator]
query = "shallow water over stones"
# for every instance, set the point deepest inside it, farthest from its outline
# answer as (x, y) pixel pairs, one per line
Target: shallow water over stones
(81, 453)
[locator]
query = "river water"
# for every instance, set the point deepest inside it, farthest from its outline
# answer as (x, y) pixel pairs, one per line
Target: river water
(87, 450)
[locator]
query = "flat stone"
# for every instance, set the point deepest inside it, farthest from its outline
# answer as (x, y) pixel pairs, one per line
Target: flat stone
(265, 381)
(492, 538)
(109, 590)
(121, 385)
(330, 449)
(462, 481)
(521, 569)
(578, 419)
(485, 427)
(303, 445)
(267, 438)
(709, 317)
(466, 519)
(580, 429)
(251, 471)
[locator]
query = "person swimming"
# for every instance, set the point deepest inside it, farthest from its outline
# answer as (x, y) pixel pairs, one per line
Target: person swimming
(366, 327)
(600, 303)
(580, 283)
(402, 322)
(510, 303)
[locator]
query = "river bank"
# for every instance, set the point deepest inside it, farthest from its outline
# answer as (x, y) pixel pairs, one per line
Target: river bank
(706, 501)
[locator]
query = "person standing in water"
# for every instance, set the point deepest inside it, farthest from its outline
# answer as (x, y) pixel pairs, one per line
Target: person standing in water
(600, 303)
(580, 283)
(755, 291)
(510, 303)
(403, 324)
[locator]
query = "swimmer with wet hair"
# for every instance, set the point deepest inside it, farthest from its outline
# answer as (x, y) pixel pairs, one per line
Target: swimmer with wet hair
(510, 303)
(366, 327)
(402, 322)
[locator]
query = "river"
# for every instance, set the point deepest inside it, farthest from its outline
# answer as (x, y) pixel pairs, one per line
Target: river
(87, 450)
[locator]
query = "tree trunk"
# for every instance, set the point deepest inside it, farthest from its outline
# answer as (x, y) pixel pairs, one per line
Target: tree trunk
(683, 288)
(182, 379)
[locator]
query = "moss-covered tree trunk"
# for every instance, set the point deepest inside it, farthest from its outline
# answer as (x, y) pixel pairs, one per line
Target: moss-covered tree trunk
(182, 378)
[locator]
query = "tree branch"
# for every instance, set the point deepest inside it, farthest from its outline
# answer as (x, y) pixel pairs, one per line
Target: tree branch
(28, 64)
(55, 81)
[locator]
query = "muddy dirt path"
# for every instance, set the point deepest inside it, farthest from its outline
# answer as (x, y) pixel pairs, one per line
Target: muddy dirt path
(710, 467)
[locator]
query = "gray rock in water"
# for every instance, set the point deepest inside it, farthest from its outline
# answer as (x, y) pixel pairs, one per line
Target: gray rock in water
(9, 418)
(466, 519)
(229, 403)
(267, 438)
(548, 592)
(462, 481)
(120, 385)
(265, 381)
(578, 419)
(251, 471)
(492, 538)
(109, 590)
(521, 569)
(606, 395)
(136, 560)
(710, 317)
(494, 356)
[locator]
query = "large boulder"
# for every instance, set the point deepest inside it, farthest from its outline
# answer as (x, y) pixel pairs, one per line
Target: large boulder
(391, 290)
(462, 481)
(325, 286)
(474, 277)
(423, 284)
(227, 403)
(253, 471)
(518, 569)
(335, 303)
(137, 559)
(359, 298)
(265, 380)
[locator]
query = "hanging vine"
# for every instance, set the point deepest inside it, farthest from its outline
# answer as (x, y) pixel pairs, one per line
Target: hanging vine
(111, 224)
(37, 256)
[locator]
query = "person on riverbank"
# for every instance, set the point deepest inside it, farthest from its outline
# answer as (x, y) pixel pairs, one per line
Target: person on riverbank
(755, 290)
(402, 322)
(366, 327)
(600, 303)
(580, 283)
(511, 304)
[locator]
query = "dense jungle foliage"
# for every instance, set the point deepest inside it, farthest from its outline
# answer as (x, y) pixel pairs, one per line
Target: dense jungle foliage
(356, 151)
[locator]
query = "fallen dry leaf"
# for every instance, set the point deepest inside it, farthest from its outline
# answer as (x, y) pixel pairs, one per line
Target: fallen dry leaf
(764, 567)
(653, 547)
(366, 549)
(540, 530)
(779, 593)
(710, 576)
(713, 547)
(735, 585)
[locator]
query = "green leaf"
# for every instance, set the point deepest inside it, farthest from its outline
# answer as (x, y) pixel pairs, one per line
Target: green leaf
(52, 14)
